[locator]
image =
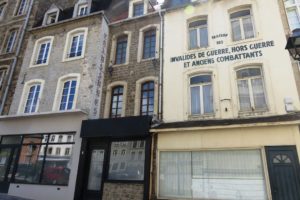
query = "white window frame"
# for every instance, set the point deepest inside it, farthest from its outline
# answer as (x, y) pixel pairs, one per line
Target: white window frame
(293, 6)
(18, 10)
(68, 45)
(242, 25)
(26, 88)
(50, 16)
(59, 90)
(79, 4)
(134, 2)
(37, 48)
(114, 48)
(53, 10)
(3, 6)
(251, 89)
(110, 87)
(197, 28)
(13, 43)
(80, 7)
(141, 42)
(202, 113)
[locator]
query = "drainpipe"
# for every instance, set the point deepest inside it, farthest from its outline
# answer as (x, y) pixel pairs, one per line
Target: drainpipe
(11, 72)
(161, 57)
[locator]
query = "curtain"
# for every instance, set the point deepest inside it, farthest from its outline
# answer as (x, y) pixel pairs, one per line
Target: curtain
(195, 100)
(258, 93)
(193, 38)
(203, 37)
(244, 96)
(248, 27)
(175, 174)
(208, 99)
(236, 30)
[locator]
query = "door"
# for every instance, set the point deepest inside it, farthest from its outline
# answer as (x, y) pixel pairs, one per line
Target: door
(94, 176)
(8, 156)
(283, 165)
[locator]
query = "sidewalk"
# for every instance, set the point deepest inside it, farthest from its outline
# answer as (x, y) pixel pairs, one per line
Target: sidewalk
(8, 197)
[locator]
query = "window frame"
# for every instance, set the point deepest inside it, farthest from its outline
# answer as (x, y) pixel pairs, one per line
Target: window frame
(134, 2)
(147, 91)
(250, 89)
(241, 24)
(85, 6)
(197, 28)
(37, 48)
(147, 38)
(3, 5)
(118, 95)
(24, 96)
(121, 39)
(68, 45)
(134, 6)
(293, 6)
(36, 95)
(80, 3)
(59, 91)
(114, 48)
(18, 8)
(3, 77)
(202, 113)
(7, 41)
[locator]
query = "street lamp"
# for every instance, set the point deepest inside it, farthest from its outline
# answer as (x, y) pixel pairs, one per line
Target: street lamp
(293, 44)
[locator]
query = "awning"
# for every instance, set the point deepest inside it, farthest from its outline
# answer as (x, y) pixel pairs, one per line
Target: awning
(117, 127)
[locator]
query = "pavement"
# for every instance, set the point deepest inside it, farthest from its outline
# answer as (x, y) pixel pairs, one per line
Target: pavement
(8, 197)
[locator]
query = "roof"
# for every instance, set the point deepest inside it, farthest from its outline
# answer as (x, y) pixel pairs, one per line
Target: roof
(228, 122)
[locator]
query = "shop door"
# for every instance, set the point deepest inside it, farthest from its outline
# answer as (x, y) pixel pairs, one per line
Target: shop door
(284, 172)
(8, 156)
(94, 176)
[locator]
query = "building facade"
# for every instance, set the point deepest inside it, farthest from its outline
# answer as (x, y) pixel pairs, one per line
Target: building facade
(231, 126)
(55, 91)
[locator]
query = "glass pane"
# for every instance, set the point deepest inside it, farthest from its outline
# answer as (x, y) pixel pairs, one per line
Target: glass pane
(4, 159)
(134, 168)
(248, 72)
(238, 14)
(193, 39)
(198, 23)
(248, 27)
(293, 18)
(208, 99)
(30, 164)
(33, 139)
(57, 167)
(258, 94)
(195, 100)
(175, 175)
(61, 138)
(200, 79)
(96, 169)
(244, 96)
(236, 30)
(11, 139)
(203, 37)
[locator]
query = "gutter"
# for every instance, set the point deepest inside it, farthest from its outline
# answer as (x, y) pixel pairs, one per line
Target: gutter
(12, 68)
(161, 56)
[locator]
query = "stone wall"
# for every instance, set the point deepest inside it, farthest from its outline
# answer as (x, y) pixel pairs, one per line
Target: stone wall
(121, 191)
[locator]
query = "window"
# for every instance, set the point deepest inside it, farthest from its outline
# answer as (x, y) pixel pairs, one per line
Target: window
(60, 138)
(138, 9)
(242, 25)
(69, 138)
(116, 102)
(38, 167)
(2, 7)
(149, 48)
(121, 49)
(68, 95)
(132, 170)
(198, 34)
(21, 7)
(201, 94)
(52, 18)
(41, 51)
(67, 151)
(32, 99)
(11, 41)
(52, 138)
(75, 45)
(147, 98)
(292, 10)
(2, 77)
(251, 89)
(228, 174)
(82, 10)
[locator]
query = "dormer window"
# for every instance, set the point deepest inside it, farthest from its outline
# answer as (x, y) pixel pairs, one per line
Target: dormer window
(52, 18)
(82, 10)
(138, 9)
(2, 7)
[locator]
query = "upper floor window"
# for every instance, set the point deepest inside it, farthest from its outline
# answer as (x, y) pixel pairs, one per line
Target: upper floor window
(116, 102)
(41, 51)
(251, 89)
(201, 94)
(68, 95)
(21, 7)
(82, 10)
(149, 48)
(75, 45)
(242, 25)
(121, 49)
(147, 98)
(2, 7)
(138, 9)
(293, 13)
(32, 99)
(11, 41)
(52, 18)
(198, 34)
(2, 77)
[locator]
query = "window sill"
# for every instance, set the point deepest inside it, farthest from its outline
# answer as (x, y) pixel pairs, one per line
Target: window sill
(198, 49)
(73, 58)
(120, 65)
(201, 116)
(254, 113)
(39, 65)
(242, 41)
(148, 59)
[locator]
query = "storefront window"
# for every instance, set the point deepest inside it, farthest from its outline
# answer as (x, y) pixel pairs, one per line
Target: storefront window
(125, 166)
(36, 166)
(231, 174)
(11, 140)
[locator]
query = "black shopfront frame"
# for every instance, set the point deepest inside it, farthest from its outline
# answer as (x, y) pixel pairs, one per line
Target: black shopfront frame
(104, 132)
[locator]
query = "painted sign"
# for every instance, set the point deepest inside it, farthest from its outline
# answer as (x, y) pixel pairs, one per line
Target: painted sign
(228, 54)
